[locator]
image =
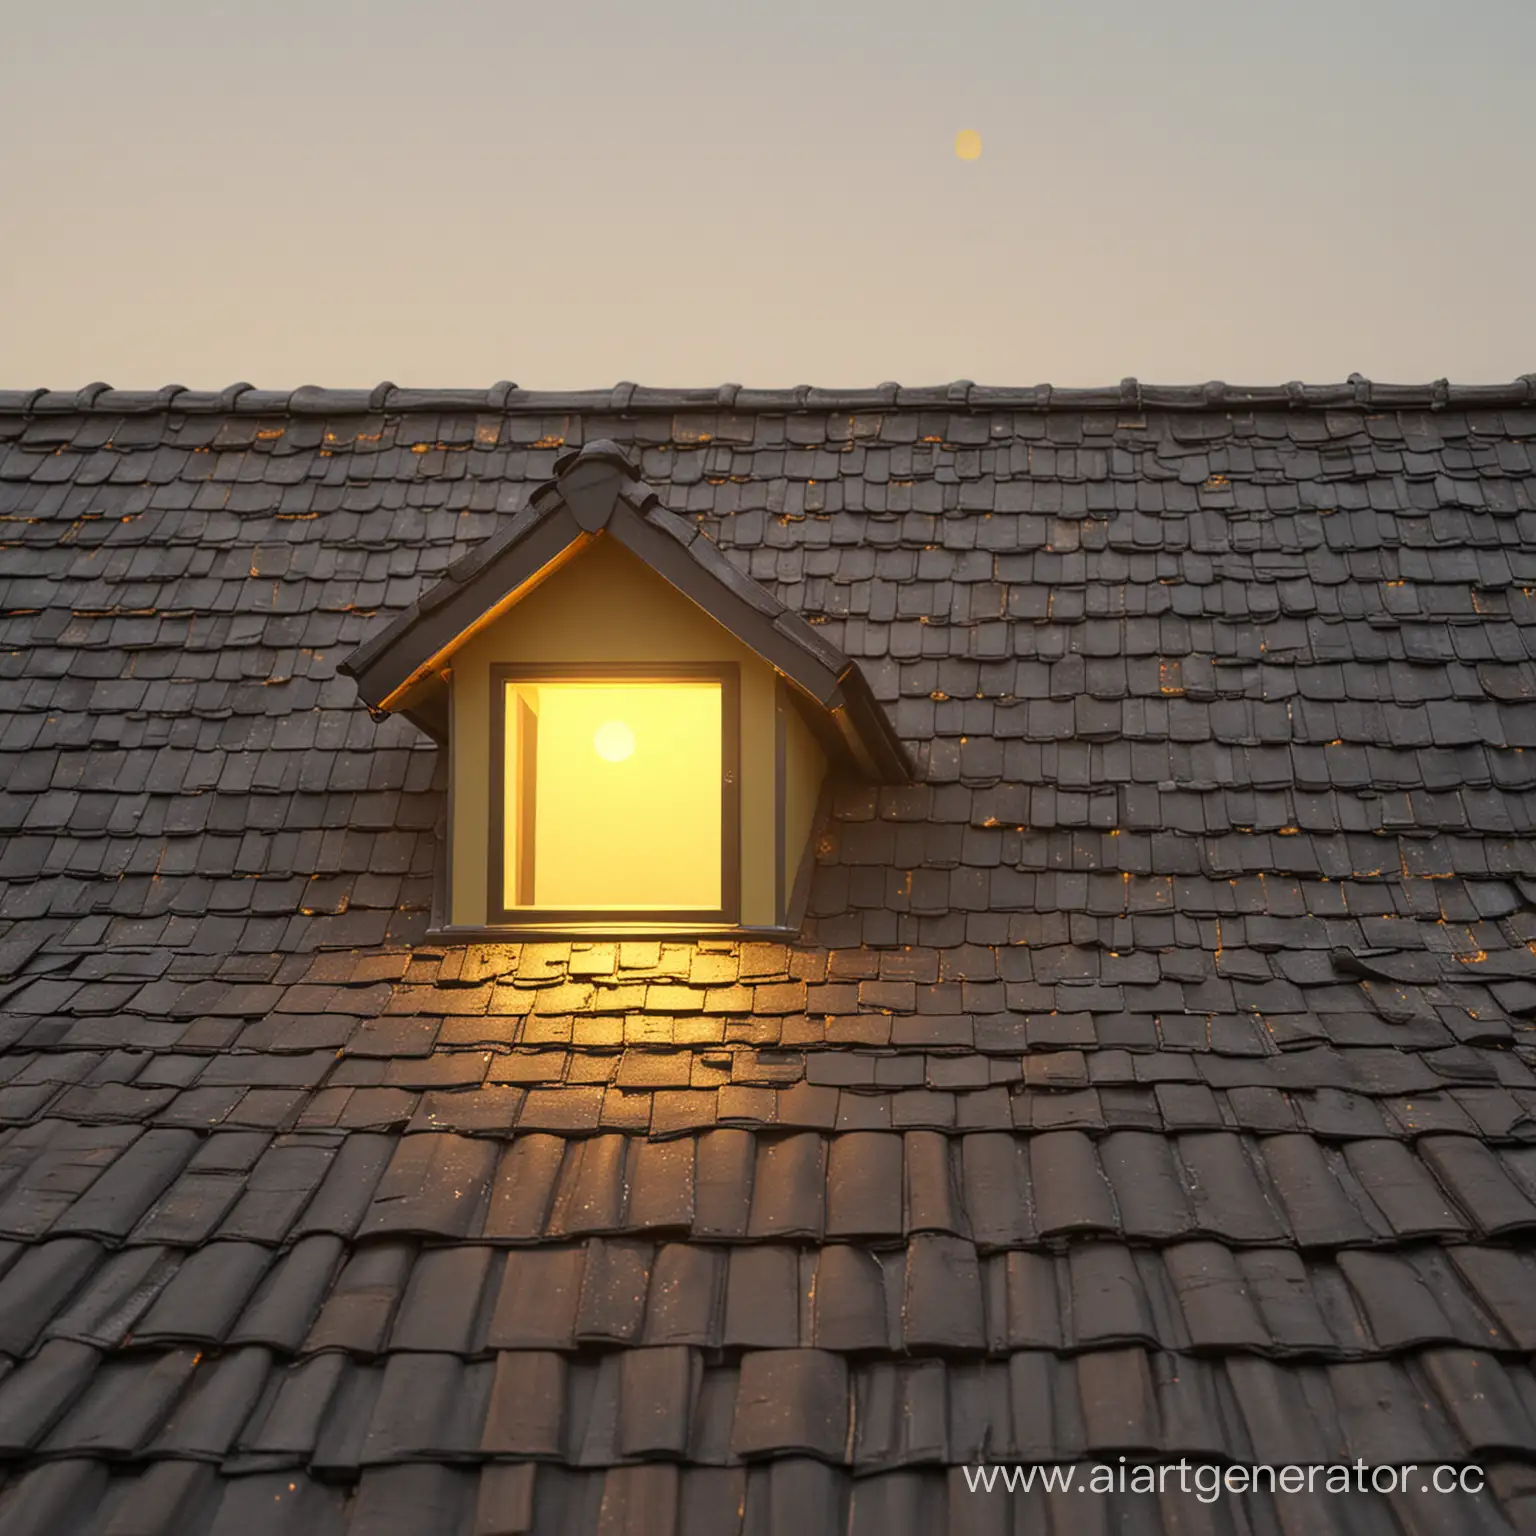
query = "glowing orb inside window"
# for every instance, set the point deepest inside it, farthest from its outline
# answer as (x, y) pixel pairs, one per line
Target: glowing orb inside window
(613, 741)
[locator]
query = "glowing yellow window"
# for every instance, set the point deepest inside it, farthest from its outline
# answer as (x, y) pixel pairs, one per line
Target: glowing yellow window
(615, 795)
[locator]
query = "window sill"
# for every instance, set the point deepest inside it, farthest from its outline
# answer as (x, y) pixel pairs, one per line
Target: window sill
(511, 934)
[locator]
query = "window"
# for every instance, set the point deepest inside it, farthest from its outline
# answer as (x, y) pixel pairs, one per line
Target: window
(615, 794)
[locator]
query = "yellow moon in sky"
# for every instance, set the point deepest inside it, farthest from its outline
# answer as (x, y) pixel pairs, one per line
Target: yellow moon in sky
(968, 144)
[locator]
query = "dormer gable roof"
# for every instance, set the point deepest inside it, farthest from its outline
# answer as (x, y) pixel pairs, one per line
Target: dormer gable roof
(597, 493)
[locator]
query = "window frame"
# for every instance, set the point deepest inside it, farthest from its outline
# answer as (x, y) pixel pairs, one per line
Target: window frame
(728, 675)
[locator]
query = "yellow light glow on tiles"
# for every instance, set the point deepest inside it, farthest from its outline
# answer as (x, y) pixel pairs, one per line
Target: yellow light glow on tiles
(614, 741)
(968, 144)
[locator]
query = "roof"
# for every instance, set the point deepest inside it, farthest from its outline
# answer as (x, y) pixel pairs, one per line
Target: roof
(1152, 1078)
(596, 493)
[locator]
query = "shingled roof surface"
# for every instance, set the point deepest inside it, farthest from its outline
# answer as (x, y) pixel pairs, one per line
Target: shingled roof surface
(1152, 1079)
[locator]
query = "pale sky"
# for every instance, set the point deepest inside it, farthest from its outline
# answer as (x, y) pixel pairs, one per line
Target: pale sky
(568, 194)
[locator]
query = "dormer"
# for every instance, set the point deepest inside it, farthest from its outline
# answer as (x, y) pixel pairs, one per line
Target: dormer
(639, 736)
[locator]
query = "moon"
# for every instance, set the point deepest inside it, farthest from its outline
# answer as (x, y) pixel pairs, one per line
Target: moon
(968, 144)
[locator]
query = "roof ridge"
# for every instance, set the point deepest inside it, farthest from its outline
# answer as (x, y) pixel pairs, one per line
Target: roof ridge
(1356, 392)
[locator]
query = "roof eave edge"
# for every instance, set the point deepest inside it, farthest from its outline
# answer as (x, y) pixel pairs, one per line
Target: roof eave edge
(551, 542)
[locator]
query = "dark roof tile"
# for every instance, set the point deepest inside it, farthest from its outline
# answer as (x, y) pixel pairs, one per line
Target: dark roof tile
(400, 1499)
(561, 1110)
(536, 1307)
(1224, 1190)
(52, 1495)
(850, 1301)
(524, 1186)
(1045, 1407)
(1151, 1197)
(611, 1306)
(1319, 1210)
(430, 1406)
(590, 1194)
(658, 1388)
(288, 1423)
(1277, 1282)
(1071, 1194)
(1219, 1309)
(995, 1181)
(1403, 1190)
(208, 1417)
(40, 1390)
(1108, 1299)
(1482, 1402)
(1382, 1414)
(164, 1497)
(1284, 1408)
(661, 1185)
(1196, 1408)
(942, 1306)
(1119, 1402)
(1479, 1184)
(595, 1423)
(525, 1414)
(339, 1445)
(900, 1414)
(762, 1298)
(108, 1306)
(683, 1302)
(41, 1280)
(441, 1307)
(789, 1187)
(127, 1400)
(435, 1185)
(1029, 1313)
(357, 1312)
(1399, 1308)
(285, 1304)
(933, 1195)
(205, 1296)
(71, 1161)
(1500, 1278)
(723, 1183)
(797, 1494)
(792, 1400)
(339, 1204)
